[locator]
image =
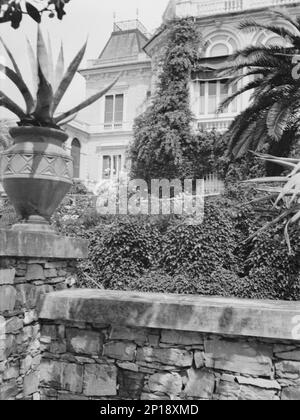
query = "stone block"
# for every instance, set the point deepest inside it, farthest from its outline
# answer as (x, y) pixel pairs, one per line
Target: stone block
(181, 338)
(171, 357)
(288, 370)
(29, 295)
(138, 335)
(291, 394)
(11, 373)
(232, 391)
(31, 384)
(64, 376)
(166, 383)
(259, 383)
(50, 273)
(7, 346)
(49, 331)
(120, 350)
(237, 356)
(14, 325)
(130, 384)
(8, 390)
(201, 384)
(7, 276)
(293, 355)
(100, 381)
(199, 359)
(84, 342)
(7, 298)
(35, 272)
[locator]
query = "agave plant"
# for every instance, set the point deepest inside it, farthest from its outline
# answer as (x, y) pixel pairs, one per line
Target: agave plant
(284, 190)
(50, 86)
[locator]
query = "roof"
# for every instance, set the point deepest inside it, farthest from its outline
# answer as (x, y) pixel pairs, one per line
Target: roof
(126, 42)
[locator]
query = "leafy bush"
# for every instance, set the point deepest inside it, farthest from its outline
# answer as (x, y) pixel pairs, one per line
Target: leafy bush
(162, 135)
(127, 247)
(196, 249)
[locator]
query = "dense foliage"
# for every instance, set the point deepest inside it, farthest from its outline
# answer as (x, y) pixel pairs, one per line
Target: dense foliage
(163, 141)
(13, 10)
(165, 254)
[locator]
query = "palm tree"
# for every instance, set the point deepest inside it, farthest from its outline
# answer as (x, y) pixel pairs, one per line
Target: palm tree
(274, 112)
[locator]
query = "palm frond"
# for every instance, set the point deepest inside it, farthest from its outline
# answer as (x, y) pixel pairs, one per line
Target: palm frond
(277, 119)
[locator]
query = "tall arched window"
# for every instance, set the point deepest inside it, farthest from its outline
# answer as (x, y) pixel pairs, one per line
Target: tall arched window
(75, 152)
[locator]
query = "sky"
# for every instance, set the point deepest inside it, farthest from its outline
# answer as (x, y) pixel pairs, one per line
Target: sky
(84, 18)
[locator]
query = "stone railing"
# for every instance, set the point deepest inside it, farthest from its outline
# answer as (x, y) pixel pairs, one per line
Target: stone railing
(115, 345)
(201, 8)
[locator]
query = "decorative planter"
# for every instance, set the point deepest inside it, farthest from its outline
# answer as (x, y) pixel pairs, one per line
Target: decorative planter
(37, 174)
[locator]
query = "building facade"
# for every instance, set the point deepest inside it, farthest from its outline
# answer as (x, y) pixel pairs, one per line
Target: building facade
(100, 137)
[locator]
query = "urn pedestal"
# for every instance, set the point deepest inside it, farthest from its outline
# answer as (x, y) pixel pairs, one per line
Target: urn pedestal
(37, 173)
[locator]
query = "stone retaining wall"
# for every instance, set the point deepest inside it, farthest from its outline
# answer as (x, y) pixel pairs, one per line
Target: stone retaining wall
(23, 283)
(90, 355)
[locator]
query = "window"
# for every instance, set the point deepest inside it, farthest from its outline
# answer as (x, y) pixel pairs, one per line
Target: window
(114, 111)
(212, 97)
(221, 44)
(209, 96)
(111, 166)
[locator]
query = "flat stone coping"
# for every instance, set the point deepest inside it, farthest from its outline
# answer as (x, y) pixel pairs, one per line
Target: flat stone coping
(235, 317)
(41, 245)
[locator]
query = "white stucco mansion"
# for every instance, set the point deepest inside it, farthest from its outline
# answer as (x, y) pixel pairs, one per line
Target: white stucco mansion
(100, 136)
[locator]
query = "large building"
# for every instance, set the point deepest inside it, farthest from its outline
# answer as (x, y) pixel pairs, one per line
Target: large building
(99, 139)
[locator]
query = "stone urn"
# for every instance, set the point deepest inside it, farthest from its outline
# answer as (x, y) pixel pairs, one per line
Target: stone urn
(36, 173)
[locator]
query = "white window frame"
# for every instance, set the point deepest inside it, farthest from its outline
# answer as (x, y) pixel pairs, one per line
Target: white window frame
(114, 124)
(197, 99)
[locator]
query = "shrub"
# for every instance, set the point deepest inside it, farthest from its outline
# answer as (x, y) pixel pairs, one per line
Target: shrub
(201, 249)
(162, 135)
(127, 247)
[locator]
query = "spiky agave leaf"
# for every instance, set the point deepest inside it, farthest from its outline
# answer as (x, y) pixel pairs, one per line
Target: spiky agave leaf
(33, 66)
(43, 56)
(7, 103)
(67, 79)
(11, 57)
(50, 62)
(289, 194)
(60, 68)
(42, 112)
(85, 103)
(68, 120)
(21, 85)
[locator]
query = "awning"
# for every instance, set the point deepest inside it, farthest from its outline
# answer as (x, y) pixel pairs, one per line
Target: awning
(208, 68)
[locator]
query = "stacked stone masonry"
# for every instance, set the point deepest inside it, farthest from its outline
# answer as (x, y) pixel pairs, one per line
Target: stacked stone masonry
(85, 361)
(23, 283)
